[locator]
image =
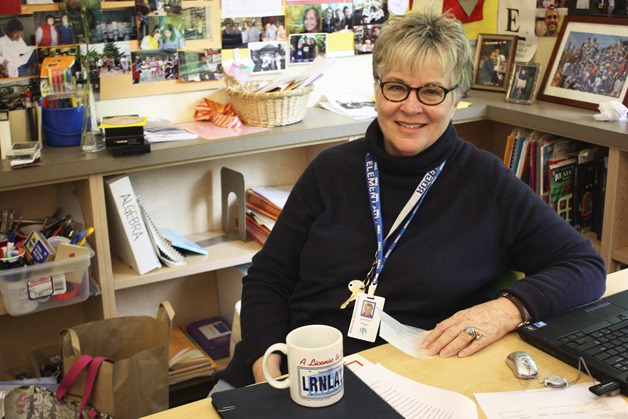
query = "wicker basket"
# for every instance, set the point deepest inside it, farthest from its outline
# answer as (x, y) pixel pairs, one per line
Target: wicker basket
(268, 109)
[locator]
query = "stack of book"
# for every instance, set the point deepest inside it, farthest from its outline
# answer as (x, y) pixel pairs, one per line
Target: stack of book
(186, 360)
(263, 206)
(569, 175)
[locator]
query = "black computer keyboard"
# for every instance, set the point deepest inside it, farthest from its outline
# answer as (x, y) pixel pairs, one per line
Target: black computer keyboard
(607, 343)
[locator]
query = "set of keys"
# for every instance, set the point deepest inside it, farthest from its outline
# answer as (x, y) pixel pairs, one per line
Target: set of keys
(356, 286)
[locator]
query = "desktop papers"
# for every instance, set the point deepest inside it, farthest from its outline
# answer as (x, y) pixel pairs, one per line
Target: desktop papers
(160, 130)
(413, 399)
(407, 339)
(575, 402)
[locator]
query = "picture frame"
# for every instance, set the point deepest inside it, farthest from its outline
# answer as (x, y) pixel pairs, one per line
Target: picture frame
(580, 41)
(595, 8)
(494, 56)
(523, 82)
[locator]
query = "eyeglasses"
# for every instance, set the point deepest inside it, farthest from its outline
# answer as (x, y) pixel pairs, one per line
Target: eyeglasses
(428, 94)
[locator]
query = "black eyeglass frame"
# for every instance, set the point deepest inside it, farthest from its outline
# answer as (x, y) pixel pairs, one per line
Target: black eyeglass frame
(417, 89)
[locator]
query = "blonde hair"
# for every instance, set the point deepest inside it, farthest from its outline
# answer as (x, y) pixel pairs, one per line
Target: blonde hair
(406, 42)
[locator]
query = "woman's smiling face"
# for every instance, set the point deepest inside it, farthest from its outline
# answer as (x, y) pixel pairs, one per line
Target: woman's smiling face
(310, 22)
(410, 127)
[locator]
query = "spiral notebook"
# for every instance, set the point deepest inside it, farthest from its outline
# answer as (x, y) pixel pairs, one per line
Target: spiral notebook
(166, 253)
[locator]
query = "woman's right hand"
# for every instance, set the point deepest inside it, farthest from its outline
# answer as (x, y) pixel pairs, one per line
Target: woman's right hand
(274, 361)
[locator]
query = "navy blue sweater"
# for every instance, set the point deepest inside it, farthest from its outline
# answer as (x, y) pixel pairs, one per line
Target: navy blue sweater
(477, 222)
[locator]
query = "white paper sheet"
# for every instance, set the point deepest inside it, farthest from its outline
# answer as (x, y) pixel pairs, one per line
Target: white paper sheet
(575, 402)
(407, 339)
(413, 399)
(251, 8)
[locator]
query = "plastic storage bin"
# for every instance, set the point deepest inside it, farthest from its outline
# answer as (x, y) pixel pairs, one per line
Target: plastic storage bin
(48, 285)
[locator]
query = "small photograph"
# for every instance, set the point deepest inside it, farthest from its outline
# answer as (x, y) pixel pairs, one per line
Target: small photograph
(54, 28)
(237, 33)
(365, 37)
(112, 26)
(305, 48)
(274, 28)
(200, 65)
(196, 23)
(494, 55)
(153, 66)
(368, 309)
(17, 47)
(302, 18)
(165, 33)
(268, 56)
(369, 12)
(523, 83)
(158, 7)
(336, 17)
(108, 59)
(19, 93)
(547, 21)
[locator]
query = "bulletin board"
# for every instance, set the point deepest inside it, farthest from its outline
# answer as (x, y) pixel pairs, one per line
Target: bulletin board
(122, 86)
(231, 25)
(118, 87)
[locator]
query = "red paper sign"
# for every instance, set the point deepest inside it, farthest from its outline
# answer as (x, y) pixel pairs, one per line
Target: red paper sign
(456, 8)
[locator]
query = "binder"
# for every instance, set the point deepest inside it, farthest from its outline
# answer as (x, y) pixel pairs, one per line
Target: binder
(130, 238)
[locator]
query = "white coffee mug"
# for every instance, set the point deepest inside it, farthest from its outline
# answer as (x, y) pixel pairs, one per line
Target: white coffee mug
(315, 365)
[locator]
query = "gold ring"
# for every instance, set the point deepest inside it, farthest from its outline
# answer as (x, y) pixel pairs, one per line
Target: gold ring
(471, 331)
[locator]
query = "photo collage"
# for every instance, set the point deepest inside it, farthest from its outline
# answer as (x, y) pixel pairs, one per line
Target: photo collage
(309, 29)
(148, 41)
(145, 41)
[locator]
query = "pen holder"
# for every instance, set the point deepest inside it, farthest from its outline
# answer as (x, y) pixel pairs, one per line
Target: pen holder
(63, 127)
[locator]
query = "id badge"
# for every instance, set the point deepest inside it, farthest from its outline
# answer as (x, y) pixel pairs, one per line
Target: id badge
(365, 319)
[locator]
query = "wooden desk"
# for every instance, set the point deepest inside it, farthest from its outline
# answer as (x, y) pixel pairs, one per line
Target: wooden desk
(484, 372)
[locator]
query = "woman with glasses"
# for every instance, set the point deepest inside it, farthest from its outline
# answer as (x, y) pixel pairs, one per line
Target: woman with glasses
(413, 219)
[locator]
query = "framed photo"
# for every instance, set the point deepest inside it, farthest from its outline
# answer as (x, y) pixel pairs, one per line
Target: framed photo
(596, 8)
(523, 82)
(494, 55)
(587, 66)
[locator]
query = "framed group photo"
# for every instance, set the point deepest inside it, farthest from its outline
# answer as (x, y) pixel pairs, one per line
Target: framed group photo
(587, 66)
(523, 82)
(494, 56)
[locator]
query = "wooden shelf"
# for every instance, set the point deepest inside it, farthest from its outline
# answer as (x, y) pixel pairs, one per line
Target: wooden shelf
(620, 255)
(184, 178)
(224, 254)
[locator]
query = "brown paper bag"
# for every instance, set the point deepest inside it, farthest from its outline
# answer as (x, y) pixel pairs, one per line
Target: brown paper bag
(136, 384)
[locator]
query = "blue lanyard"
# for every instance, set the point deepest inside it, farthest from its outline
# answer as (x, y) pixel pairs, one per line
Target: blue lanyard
(407, 213)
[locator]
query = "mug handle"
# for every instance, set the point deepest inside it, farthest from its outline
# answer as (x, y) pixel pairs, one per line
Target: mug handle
(280, 347)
